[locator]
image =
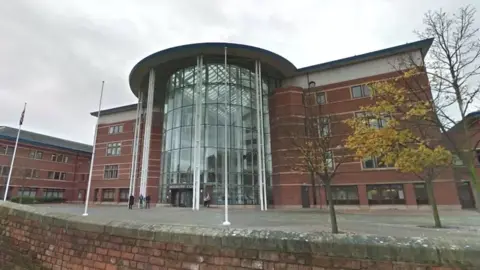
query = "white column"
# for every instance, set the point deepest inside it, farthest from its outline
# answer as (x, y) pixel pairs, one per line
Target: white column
(133, 171)
(197, 135)
(262, 137)
(259, 148)
(198, 129)
(147, 133)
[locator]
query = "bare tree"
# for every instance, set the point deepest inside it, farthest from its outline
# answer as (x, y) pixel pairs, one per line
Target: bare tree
(453, 69)
(317, 151)
(453, 66)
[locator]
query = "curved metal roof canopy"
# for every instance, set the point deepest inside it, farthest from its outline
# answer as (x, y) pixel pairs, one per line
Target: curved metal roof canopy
(168, 61)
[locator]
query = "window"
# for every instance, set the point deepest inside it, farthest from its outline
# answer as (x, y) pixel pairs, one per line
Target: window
(111, 172)
(35, 154)
(372, 121)
(4, 170)
(323, 126)
(124, 195)
(321, 98)
(27, 192)
(374, 163)
(53, 193)
(59, 158)
(457, 161)
(114, 149)
(359, 91)
(57, 175)
(421, 193)
(329, 159)
(31, 173)
(115, 129)
(80, 194)
(477, 154)
(6, 150)
(385, 194)
(108, 194)
(343, 195)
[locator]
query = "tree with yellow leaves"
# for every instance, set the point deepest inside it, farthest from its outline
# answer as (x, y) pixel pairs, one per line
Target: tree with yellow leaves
(406, 141)
(317, 152)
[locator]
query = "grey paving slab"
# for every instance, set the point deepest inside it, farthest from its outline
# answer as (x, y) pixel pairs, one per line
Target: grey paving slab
(462, 224)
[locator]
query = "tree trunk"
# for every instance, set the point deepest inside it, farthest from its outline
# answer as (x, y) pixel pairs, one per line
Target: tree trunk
(314, 188)
(433, 202)
(331, 208)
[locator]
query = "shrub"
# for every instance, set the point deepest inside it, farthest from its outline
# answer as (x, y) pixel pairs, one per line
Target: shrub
(33, 200)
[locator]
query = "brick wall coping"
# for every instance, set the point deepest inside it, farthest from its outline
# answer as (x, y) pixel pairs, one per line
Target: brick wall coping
(415, 250)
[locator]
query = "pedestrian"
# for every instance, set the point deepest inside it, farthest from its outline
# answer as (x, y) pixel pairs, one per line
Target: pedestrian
(206, 200)
(141, 198)
(147, 200)
(131, 201)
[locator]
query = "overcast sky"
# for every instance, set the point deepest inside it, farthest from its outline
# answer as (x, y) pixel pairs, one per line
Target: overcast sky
(54, 54)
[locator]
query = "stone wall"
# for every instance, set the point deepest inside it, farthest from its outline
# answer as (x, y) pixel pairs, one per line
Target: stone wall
(63, 241)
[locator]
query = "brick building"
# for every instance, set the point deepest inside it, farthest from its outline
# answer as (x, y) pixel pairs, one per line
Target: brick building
(45, 167)
(203, 119)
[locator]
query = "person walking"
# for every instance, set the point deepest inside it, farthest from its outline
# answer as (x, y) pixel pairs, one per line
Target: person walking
(147, 200)
(141, 198)
(206, 200)
(131, 201)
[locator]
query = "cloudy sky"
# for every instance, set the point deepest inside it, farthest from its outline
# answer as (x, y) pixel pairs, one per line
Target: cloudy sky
(54, 54)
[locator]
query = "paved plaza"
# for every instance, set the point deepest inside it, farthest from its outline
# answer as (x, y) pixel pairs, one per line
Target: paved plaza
(462, 224)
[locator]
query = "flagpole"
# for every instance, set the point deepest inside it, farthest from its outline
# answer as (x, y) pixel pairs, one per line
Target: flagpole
(227, 119)
(7, 186)
(93, 152)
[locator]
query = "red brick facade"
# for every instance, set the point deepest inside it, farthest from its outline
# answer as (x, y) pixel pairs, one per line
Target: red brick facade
(70, 174)
(287, 113)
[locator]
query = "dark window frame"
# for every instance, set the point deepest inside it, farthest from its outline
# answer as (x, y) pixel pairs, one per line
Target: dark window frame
(111, 171)
(351, 200)
(109, 191)
(364, 91)
(385, 187)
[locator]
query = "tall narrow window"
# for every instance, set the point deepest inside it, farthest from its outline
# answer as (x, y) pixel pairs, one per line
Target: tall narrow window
(111, 172)
(321, 98)
(114, 149)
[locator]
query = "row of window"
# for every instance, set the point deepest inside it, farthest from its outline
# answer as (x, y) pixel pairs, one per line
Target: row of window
(47, 193)
(108, 195)
(34, 173)
(378, 194)
(34, 154)
(357, 91)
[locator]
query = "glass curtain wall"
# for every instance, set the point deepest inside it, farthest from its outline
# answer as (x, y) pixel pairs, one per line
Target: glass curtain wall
(178, 140)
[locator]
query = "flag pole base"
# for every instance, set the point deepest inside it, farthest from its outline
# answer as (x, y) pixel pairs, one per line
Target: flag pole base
(85, 214)
(226, 223)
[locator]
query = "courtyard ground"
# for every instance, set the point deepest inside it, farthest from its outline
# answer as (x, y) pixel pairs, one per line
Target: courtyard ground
(462, 224)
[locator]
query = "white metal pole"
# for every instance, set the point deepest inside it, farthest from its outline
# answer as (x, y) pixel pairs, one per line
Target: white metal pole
(227, 119)
(259, 148)
(134, 147)
(7, 186)
(147, 134)
(195, 95)
(198, 129)
(262, 138)
(89, 185)
(137, 142)
(196, 119)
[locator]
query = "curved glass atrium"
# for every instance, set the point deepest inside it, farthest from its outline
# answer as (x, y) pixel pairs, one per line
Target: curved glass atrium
(179, 140)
